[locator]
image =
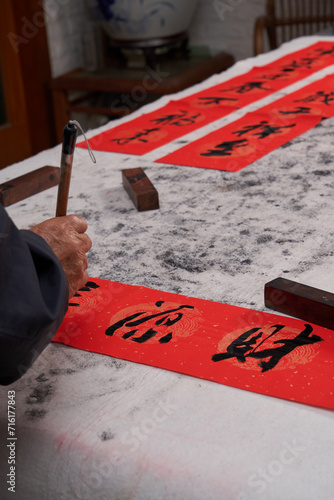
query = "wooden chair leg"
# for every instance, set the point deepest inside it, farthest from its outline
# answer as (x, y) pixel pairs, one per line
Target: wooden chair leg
(260, 26)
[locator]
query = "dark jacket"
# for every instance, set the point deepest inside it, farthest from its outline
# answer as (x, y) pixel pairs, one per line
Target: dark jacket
(33, 298)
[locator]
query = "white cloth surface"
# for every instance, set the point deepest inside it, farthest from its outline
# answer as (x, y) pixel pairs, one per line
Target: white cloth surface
(90, 426)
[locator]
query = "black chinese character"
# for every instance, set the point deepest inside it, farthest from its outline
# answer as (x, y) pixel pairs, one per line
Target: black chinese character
(179, 120)
(265, 129)
(141, 136)
(216, 100)
(246, 87)
(305, 62)
(326, 52)
(319, 96)
(274, 76)
(300, 110)
(87, 288)
(226, 148)
(243, 347)
(134, 321)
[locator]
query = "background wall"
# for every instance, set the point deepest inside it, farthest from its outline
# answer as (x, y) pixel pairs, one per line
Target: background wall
(65, 22)
(227, 25)
(219, 24)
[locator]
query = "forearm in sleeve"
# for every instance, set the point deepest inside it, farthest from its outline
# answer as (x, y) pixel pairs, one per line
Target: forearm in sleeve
(33, 298)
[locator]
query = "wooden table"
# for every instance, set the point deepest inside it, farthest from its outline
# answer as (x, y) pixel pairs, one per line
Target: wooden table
(91, 426)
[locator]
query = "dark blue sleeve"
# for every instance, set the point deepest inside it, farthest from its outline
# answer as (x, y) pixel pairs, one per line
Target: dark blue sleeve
(33, 298)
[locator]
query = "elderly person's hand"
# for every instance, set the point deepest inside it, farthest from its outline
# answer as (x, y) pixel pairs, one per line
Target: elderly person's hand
(68, 239)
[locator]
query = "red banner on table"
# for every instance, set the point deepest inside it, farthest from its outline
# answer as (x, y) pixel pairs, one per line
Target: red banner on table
(316, 99)
(152, 130)
(244, 141)
(256, 351)
(256, 134)
(178, 118)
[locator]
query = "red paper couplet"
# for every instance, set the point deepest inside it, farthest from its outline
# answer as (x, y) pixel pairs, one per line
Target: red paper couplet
(244, 141)
(262, 81)
(252, 350)
(315, 99)
(178, 118)
(152, 130)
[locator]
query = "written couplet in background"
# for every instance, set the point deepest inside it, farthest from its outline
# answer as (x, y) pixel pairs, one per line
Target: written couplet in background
(256, 134)
(176, 119)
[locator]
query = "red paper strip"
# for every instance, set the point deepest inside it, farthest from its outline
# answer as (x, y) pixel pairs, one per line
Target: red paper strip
(256, 134)
(245, 89)
(242, 142)
(251, 350)
(262, 81)
(178, 118)
(152, 130)
(316, 99)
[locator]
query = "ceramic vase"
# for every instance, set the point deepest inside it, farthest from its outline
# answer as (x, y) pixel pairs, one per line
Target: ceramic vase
(133, 20)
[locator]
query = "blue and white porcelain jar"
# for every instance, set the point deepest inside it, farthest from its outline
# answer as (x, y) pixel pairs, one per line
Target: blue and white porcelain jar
(143, 19)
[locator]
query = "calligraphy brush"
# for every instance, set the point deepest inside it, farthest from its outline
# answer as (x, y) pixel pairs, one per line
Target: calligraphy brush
(69, 140)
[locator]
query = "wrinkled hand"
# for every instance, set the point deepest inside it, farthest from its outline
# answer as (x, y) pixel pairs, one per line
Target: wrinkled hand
(68, 239)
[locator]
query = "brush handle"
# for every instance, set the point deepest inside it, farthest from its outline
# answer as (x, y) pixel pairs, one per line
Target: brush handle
(64, 184)
(69, 140)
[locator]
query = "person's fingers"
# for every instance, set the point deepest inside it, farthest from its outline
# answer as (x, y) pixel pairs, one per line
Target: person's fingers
(78, 223)
(86, 241)
(69, 241)
(80, 283)
(85, 277)
(84, 262)
(77, 281)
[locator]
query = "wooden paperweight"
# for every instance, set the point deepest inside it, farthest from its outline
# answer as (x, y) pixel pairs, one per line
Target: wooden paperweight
(28, 184)
(300, 301)
(140, 189)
